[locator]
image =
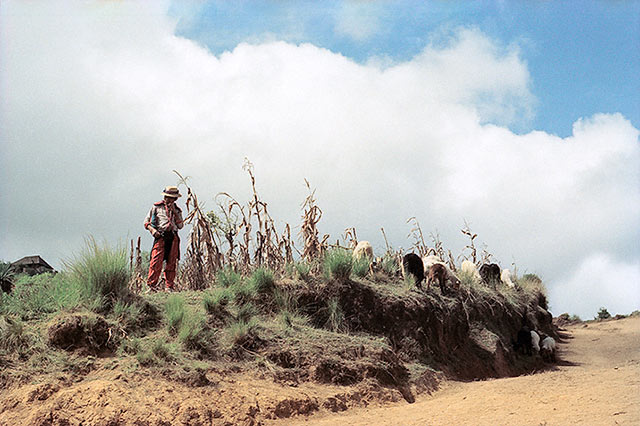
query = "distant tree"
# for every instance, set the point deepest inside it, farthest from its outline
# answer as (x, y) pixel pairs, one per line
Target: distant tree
(603, 314)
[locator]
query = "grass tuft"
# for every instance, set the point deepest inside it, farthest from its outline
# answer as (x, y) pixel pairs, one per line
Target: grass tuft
(227, 277)
(175, 311)
(335, 320)
(33, 297)
(338, 263)
(360, 266)
(262, 280)
(13, 335)
(102, 274)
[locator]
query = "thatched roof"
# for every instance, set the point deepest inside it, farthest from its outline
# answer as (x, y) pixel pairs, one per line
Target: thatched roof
(31, 261)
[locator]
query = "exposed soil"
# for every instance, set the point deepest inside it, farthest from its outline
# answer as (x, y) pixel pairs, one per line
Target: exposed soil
(596, 382)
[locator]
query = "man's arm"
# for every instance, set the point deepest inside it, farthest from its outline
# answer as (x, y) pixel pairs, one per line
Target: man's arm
(147, 223)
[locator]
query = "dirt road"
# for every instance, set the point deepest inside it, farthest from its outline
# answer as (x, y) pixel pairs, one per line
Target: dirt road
(596, 382)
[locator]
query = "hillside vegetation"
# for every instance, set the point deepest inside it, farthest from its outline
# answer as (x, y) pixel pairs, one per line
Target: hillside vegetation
(248, 311)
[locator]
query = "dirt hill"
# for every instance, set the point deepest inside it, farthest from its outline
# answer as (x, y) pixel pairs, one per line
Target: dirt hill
(596, 382)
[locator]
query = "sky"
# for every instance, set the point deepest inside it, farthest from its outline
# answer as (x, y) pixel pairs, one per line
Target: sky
(518, 118)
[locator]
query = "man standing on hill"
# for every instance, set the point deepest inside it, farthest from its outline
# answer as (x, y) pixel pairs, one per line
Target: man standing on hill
(163, 221)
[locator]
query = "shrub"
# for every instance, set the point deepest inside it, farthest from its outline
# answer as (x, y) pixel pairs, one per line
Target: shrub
(6, 277)
(360, 266)
(174, 308)
(603, 314)
(338, 263)
(101, 273)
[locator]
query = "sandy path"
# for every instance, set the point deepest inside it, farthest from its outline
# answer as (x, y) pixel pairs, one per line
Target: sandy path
(596, 382)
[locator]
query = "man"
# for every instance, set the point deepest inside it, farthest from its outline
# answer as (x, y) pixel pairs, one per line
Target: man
(163, 221)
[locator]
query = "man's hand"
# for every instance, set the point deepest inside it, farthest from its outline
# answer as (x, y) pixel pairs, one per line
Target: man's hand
(153, 231)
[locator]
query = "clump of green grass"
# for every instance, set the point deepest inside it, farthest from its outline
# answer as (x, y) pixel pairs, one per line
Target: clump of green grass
(303, 270)
(227, 277)
(262, 280)
(35, 296)
(240, 334)
(244, 292)
(175, 311)
(216, 300)
(533, 286)
(284, 299)
(160, 352)
(194, 334)
(246, 312)
(409, 282)
(360, 266)
(128, 315)
(390, 264)
(338, 263)
(101, 273)
(335, 321)
(13, 335)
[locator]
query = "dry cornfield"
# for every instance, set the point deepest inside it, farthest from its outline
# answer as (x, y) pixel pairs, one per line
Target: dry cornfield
(244, 237)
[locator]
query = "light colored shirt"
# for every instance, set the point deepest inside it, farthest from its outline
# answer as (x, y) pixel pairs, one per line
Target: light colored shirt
(163, 218)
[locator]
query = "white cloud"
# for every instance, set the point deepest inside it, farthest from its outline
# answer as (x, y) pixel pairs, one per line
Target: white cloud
(599, 281)
(101, 102)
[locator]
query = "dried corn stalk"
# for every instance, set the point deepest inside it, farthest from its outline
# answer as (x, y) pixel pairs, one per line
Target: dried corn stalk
(350, 237)
(467, 231)
(416, 232)
(203, 257)
(437, 249)
(312, 247)
(137, 274)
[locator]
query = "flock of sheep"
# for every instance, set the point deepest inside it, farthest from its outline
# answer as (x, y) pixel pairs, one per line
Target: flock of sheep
(434, 270)
(532, 342)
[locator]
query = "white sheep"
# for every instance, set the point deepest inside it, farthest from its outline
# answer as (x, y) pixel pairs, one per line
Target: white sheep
(363, 249)
(428, 261)
(505, 277)
(535, 341)
(469, 268)
(548, 349)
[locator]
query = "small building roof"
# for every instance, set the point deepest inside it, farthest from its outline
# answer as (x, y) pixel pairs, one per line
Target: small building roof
(31, 261)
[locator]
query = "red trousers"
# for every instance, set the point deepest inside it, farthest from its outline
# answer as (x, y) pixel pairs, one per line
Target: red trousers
(158, 256)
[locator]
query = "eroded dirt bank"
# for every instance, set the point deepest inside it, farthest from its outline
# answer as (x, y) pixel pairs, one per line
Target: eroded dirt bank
(596, 382)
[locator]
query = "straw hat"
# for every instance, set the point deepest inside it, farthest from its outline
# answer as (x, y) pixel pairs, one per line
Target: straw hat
(171, 191)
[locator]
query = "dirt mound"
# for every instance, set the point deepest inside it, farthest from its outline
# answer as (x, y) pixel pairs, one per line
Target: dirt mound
(468, 341)
(91, 333)
(110, 397)
(594, 383)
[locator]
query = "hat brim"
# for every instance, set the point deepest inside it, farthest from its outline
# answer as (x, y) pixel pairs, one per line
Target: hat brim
(178, 195)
